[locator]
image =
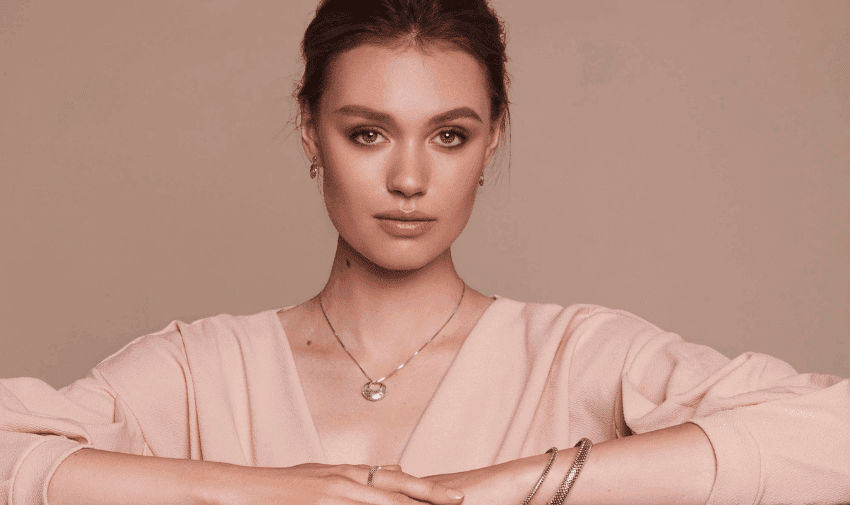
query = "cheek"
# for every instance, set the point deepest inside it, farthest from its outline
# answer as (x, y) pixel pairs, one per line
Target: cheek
(351, 189)
(347, 172)
(461, 193)
(466, 170)
(345, 197)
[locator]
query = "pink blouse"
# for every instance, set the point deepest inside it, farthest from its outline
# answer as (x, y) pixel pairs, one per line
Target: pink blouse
(528, 376)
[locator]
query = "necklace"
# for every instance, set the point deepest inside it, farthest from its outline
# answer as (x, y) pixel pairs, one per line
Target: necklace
(375, 390)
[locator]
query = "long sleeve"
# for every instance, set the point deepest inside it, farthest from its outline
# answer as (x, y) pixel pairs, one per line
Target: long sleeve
(533, 376)
(40, 426)
(778, 436)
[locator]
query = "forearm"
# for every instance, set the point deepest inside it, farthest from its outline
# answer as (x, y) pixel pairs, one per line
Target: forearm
(671, 466)
(95, 477)
(674, 465)
(92, 477)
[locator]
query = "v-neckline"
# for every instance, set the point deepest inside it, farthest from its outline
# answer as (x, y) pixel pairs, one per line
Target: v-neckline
(303, 407)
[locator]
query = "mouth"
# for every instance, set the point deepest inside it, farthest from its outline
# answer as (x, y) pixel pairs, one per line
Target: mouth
(405, 225)
(397, 215)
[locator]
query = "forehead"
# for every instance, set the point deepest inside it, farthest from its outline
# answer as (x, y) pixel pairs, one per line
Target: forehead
(409, 82)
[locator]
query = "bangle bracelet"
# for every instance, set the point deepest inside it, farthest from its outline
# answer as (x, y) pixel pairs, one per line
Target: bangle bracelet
(569, 480)
(554, 451)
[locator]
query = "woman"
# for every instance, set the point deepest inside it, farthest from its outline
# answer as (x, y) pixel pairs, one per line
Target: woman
(398, 363)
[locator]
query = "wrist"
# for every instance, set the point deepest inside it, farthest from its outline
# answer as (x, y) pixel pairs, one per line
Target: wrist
(210, 485)
(559, 470)
(527, 471)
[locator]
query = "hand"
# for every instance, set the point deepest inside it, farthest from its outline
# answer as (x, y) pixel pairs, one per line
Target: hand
(315, 483)
(489, 485)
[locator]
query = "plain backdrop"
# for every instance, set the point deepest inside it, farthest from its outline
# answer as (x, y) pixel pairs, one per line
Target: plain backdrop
(686, 161)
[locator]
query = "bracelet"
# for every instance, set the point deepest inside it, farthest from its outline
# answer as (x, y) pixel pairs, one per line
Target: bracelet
(554, 451)
(569, 480)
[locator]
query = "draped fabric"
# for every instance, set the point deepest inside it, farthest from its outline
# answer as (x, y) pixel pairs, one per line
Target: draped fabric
(528, 377)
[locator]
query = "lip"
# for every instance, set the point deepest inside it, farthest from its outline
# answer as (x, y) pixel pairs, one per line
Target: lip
(405, 228)
(397, 215)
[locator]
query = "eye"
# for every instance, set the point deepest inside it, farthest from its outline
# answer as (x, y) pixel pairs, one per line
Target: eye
(366, 137)
(450, 138)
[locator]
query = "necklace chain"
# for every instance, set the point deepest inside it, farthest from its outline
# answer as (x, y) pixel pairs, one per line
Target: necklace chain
(378, 396)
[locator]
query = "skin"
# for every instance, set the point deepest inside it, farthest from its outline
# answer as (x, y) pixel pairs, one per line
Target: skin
(378, 135)
(386, 295)
(374, 132)
(403, 160)
(380, 287)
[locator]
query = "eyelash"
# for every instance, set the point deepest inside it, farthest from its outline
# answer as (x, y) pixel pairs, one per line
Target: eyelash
(454, 131)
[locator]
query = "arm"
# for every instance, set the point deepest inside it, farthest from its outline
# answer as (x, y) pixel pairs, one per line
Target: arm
(40, 426)
(670, 466)
(774, 436)
(94, 442)
(94, 477)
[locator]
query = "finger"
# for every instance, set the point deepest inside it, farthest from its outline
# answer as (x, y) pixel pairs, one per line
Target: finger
(348, 492)
(394, 468)
(419, 489)
(376, 496)
(357, 473)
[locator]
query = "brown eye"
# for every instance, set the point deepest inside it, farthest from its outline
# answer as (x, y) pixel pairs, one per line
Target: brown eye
(366, 137)
(451, 138)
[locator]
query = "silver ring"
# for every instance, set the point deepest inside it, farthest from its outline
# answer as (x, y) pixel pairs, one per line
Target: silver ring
(372, 471)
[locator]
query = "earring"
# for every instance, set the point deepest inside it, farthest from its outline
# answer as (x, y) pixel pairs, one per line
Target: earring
(314, 170)
(481, 180)
(320, 181)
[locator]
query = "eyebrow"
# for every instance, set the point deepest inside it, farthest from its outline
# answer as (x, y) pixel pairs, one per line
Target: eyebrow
(378, 116)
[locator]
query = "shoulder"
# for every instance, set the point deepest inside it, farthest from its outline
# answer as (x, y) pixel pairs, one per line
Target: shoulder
(581, 325)
(180, 342)
(579, 339)
(224, 330)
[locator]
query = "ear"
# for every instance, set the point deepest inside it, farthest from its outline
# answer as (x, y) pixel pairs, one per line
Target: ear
(310, 135)
(495, 135)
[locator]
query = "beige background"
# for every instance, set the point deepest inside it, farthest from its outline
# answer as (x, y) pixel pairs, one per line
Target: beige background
(686, 161)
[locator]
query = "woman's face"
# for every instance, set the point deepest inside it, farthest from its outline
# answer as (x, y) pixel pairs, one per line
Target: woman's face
(401, 134)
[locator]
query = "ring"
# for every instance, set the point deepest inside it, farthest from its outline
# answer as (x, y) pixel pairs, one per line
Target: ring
(372, 471)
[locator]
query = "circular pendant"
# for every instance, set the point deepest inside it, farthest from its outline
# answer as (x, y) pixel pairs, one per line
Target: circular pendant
(374, 391)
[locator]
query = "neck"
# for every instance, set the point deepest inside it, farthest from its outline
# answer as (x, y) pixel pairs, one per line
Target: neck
(374, 308)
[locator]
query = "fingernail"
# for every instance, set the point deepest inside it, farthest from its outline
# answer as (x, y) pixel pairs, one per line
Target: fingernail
(454, 494)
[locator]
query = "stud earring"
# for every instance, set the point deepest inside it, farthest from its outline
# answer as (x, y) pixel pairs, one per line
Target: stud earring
(481, 180)
(314, 169)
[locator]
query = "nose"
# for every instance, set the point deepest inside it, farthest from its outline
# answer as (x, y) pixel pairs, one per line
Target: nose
(409, 171)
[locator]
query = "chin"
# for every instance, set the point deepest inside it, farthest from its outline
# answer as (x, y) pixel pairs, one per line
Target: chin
(405, 261)
(394, 253)
(401, 257)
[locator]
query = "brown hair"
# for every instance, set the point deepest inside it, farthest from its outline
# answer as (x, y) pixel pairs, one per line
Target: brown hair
(470, 25)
